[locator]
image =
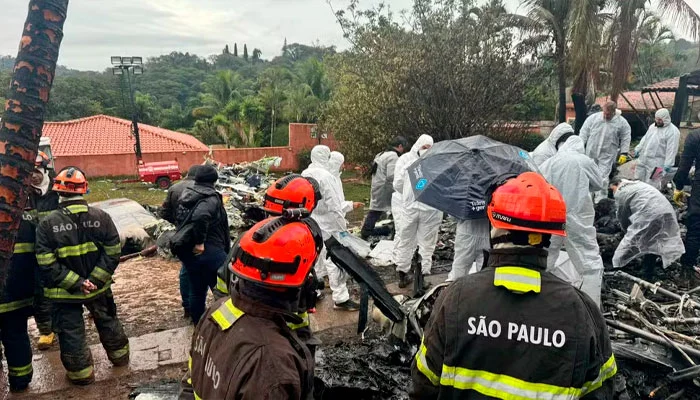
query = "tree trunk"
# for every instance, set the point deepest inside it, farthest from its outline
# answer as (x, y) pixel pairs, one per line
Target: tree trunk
(561, 72)
(23, 118)
(580, 109)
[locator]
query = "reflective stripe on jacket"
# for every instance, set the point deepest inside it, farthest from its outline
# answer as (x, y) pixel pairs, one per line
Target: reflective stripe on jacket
(534, 337)
(75, 243)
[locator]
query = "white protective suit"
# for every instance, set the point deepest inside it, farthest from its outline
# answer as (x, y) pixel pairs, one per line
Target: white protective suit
(576, 176)
(548, 148)
(649, 222)
(658, 147)
(420, 223)
(471, 239)
(330, 218)
(604, 140)
(335, 164)
(383, 180)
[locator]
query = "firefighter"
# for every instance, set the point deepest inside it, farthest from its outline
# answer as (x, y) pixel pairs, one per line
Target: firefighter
(43, 202)
(289, 192)
(16, 304)
(272, 261)
(514, 330)
(77, 248)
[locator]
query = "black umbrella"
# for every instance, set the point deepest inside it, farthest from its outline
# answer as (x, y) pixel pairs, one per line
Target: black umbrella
(455, 175)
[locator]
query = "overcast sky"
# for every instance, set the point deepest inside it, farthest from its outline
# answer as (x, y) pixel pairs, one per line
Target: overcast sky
(98, 29)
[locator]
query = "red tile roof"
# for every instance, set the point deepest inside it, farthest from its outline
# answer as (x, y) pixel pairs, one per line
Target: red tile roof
(641, 102)
(668, 84)
(102, 134)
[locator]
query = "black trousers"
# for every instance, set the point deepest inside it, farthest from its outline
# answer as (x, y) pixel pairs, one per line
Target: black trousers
(18, 350)
(692, 238)
(68, 323)
(368, 227)
(42, 313)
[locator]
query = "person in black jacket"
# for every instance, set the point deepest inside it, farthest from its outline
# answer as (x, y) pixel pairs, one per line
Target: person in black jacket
(514, 330)
(211, 236)
(16, 304)
(78, 249)
(690, 156)
(168, 212)
(42, 202)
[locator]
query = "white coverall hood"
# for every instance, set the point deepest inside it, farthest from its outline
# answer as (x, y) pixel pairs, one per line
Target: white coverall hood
(335, 163)
(575, 175)
(650, 225)
(45, 182)
(547, 148)
(422, 141)
(657, 149)
(320, 155)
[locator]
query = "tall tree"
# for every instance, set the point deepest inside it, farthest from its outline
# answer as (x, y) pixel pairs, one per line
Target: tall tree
(245, 52)
(552, 16)
(23, 118)
(257, 55)
(235, 50)
(226, 50)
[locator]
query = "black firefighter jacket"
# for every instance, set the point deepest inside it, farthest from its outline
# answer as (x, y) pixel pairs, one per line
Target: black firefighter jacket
(20, 285)
(209, 217)
(691, 153)
(172, 200)
(75, 243)
(514, 331)
(245, 350)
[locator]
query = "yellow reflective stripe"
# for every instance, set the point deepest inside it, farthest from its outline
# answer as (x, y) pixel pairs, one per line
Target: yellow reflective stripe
(16, 305)
(46, 258)
(116, 354)
(607, 371)
(20, 371)
(69, 281)
(113, 250)
(227, 314)
(43, 214)
(518, 279)
(77, 208)
(304, 323)
(422, 365)
(77, 250)
(62, 294)
(196, 396)
(82, 374)
(23, 248)
(101, 274)
(189, 371)
(221, 285)
(504, 386)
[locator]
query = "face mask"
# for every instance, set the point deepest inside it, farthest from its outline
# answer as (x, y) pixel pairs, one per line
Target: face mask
(660, 125)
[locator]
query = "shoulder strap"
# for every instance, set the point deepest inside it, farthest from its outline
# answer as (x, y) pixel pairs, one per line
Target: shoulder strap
(190, 213)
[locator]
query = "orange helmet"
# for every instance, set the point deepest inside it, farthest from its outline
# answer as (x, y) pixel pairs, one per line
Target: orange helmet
(528, 203)
(277, 252)
(42, 160)
(70, 180)
(292, 191)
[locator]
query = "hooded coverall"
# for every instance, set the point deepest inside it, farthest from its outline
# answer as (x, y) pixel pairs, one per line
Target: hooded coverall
(691, 155)
(576, 176)
(604, 140)
(649, 222)
(420, 223)
(382, 189)
(548, 148)
(658, 148)
(330, 217)
(75, 243)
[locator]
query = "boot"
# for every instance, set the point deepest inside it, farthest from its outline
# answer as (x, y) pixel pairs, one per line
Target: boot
(84, 382)
(45, 341)
(404, 279)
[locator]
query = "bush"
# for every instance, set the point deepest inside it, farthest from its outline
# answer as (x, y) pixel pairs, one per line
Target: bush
(523, 139)
(304, 158)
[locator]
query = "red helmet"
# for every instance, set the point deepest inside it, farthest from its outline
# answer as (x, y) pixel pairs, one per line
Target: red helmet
(70, 180)
(42, 160)
(528, 203)
(277, 252)
(292, 191)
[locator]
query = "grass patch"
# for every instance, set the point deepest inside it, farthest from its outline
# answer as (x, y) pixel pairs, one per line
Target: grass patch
(142, 193)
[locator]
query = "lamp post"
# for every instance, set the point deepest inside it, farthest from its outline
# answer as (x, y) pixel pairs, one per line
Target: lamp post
(125, 67)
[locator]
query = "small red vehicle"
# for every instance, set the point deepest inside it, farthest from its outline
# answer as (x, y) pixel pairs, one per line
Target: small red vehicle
(161, 173)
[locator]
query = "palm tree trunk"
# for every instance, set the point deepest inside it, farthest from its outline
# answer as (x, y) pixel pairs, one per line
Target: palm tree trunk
(578, 97)
(23, 118)
(561, 72)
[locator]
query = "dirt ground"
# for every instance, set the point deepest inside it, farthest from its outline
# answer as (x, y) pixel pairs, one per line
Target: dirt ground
(148, 298)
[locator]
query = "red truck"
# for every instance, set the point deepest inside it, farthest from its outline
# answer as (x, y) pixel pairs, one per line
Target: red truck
(161, 173)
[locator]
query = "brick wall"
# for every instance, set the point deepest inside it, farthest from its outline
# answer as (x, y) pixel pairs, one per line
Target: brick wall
(300, 138)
